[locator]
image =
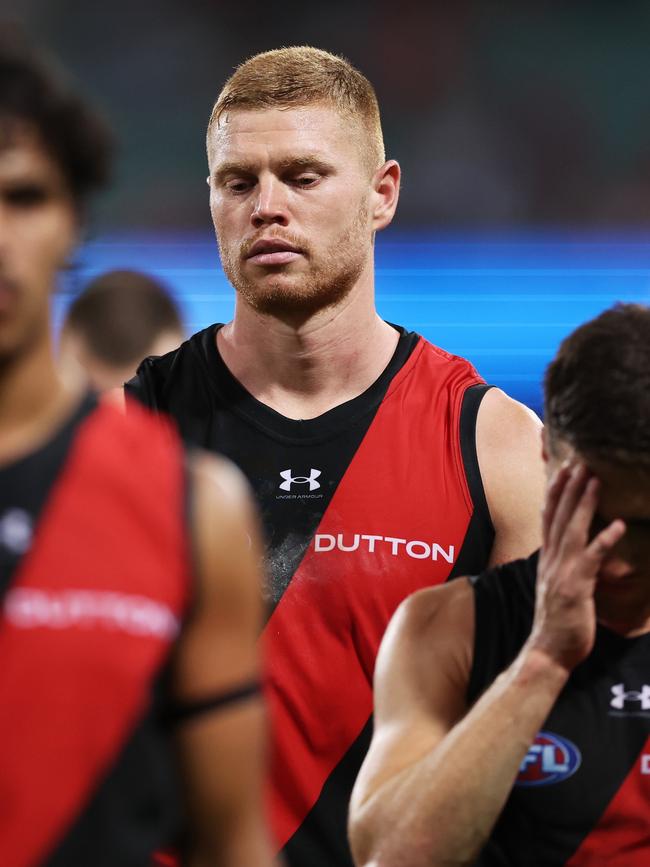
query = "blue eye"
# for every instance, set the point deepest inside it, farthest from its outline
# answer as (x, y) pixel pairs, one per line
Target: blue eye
(239, 185)
(306, 180)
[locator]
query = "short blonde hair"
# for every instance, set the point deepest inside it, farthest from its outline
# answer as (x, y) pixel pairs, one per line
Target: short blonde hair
(300, 76)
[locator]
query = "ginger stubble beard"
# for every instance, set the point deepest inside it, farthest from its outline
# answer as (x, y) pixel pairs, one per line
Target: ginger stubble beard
(330, 278)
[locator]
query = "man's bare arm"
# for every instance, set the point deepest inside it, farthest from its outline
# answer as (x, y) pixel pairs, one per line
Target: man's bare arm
(434, 782)
(222, 750)
(509, 448)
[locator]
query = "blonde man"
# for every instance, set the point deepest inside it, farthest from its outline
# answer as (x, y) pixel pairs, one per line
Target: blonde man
(382, 464)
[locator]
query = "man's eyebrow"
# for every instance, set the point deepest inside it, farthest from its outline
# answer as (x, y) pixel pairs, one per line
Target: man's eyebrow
(305, 161)
(290, 163)
(233, 167)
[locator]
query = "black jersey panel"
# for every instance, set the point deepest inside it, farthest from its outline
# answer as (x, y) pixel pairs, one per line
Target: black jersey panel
(293, 466)
(25, 486)
(135, 809)
(321, 840)
(504, 599)
(586, 748)
(479, 538)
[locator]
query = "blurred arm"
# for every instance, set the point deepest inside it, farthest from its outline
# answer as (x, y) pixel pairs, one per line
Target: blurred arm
(222, 750)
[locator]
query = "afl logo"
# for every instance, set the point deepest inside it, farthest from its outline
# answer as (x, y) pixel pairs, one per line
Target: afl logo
(550, 759)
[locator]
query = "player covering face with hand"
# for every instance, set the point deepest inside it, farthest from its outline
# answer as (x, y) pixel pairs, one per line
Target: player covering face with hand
(512, 718)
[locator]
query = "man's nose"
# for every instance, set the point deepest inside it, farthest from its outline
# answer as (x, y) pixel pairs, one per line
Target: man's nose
(271, 203)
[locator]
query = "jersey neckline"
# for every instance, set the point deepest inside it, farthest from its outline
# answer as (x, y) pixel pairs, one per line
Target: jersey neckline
(61, 434)
(328, 424)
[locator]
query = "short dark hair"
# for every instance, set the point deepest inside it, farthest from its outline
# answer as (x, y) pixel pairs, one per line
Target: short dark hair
(120, 314)
(34, 92)
(597, 389)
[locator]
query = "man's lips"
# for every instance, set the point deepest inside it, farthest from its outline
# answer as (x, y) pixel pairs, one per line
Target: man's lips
(273, 252)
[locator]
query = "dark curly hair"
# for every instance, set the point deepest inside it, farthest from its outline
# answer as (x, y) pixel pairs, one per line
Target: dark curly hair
(597, 389)
(34, 92)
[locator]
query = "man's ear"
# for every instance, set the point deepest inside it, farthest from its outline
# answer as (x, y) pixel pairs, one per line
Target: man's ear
(385, 184)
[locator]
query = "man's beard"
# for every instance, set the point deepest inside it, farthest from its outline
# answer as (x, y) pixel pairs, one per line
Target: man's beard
(329, 280)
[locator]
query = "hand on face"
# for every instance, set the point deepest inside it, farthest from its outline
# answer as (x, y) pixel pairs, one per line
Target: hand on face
(565, 619)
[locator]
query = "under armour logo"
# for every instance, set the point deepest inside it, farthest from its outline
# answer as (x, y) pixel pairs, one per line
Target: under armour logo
(300, 480)
(621, 696)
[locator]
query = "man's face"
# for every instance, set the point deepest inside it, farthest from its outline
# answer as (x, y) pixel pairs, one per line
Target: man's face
(37, 231)
(623, 590)
(290, 197)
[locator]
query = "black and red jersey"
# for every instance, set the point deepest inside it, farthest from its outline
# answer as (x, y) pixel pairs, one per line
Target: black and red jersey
(93, 583)
(365, 504)
(582, 794)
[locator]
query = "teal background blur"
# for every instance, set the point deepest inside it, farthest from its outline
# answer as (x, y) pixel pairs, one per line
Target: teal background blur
(523, 131)
(505, 303)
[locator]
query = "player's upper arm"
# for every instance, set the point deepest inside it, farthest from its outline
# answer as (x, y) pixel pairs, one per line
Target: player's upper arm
(420, 685)
(219, 644)
(509, 447)
(222, 748)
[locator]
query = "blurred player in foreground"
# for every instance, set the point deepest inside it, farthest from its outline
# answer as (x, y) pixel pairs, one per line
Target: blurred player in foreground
(129, 693)
(120, 318)
(514, 708)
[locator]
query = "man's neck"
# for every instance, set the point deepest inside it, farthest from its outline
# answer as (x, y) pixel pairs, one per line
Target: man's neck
(33, 401)
(302, 370)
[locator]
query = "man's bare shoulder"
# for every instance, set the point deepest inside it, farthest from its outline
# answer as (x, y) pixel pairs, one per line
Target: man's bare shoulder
(429, 639)
(224, 526)
(509, 448)
(218, 481)
(419, 616)
(501, 414)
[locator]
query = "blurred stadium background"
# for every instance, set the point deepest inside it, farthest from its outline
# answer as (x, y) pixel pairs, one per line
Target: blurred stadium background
(523, 130)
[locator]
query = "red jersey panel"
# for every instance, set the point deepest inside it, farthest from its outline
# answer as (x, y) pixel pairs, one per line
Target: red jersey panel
(374, 498)
(87, 623)
(396, 523)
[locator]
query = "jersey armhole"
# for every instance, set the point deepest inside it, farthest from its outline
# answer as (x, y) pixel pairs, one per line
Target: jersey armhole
(472, 398)
(504, 606)
(480, 667)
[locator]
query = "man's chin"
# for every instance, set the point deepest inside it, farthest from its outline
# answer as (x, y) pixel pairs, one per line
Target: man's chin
(282, 301)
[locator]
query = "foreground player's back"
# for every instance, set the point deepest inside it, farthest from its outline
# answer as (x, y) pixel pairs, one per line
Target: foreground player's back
(121, 672)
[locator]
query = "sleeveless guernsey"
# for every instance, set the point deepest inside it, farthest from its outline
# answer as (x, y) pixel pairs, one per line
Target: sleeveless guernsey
(582, 795)
(361, 506)
(93, 582)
